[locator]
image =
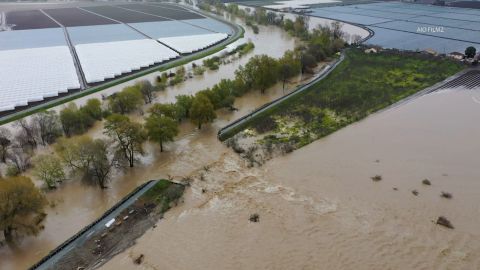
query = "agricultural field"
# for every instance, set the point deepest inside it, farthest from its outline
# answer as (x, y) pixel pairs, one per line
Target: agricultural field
(345, 96)
(80, 45)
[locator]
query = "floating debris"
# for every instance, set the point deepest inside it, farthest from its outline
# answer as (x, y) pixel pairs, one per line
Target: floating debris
(446, 195)
(395, 188)
(376, 178)
(415, 192)
(426, 182)
(444, 222)
(139, 259)
(254, 218)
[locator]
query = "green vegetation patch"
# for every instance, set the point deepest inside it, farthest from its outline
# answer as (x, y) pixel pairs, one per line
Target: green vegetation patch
(162, 194)
(361, 84)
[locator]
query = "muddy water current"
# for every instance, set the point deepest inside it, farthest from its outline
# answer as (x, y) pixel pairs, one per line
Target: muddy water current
(77, 204)
(318, 207)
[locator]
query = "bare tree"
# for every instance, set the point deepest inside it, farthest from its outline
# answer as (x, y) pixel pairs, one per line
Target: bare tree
(19, 158)
(48, 126)
(127, 136)
(28, 132)
(5, 143)
(147, 90)
(89, 157)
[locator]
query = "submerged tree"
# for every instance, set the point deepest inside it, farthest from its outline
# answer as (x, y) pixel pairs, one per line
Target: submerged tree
(5, 143)
(147, 90)
(19, 158)
(161, 129)
(21, 208)
(289, 66)
(93, 108)
(185, 103)
(75, 121)
(88, 157)
(127, 100)
(202, 110)
(28, 132)
(48, 126)
(49, 169)
(127, 135)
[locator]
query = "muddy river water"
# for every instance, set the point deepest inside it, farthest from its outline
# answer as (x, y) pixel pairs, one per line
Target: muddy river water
(77, 204)
(318, 207)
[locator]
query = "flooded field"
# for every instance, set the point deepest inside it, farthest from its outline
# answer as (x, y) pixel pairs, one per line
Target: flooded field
(319, 207)
(77, 204)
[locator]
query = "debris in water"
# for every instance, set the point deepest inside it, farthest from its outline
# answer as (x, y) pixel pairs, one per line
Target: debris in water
(415, 192)
(377, 161)
(139, 259)
(446, 195)
(376, 178)
(444, 222)
(426, 182)
(395, 188)
(254, 217)
(204, 190)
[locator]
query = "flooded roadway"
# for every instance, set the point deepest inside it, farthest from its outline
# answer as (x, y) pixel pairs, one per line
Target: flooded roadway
(319, 209)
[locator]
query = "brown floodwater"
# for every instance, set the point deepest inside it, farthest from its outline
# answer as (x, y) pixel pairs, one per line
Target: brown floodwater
(77, 204)
(318, 207)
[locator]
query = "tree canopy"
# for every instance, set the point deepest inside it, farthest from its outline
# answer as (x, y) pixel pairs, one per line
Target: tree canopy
(202, 110)
(127, 135)
(49, 169)
(21, 208)
(161, 129)
(470, 52)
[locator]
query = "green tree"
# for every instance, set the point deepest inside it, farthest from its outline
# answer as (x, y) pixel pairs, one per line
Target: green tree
(470, 52)
(127, 100)
(168, 110)
(289, 66)
(75, 121)
(184, 102)
(260, 72)
(202, 110)
(93, 108)
(49, 169)
(222, 94)
(288, 25)
(21, 208)
(161, 129)
(127, 135)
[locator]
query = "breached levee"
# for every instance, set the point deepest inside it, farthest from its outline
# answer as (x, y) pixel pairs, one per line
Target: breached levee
(117, 229)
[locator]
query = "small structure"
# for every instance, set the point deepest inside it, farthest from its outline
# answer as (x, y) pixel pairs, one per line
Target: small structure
(456, 55)
(431, 51)
(371, 50)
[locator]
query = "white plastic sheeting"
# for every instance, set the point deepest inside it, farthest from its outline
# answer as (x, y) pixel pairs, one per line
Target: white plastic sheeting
(32, 74)
(101, 61)
(189, 44)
